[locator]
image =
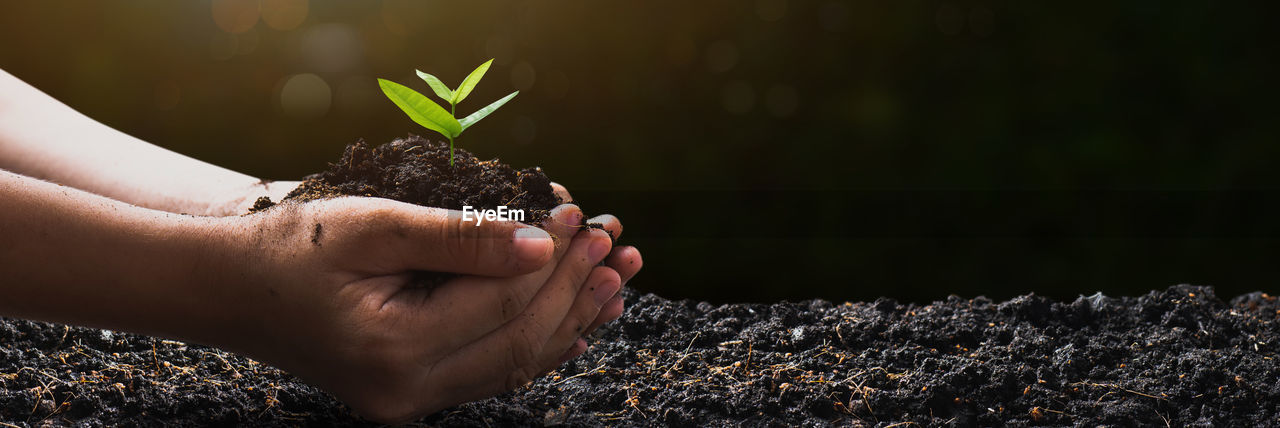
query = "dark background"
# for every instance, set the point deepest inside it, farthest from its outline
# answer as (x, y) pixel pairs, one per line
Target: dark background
(756, 149)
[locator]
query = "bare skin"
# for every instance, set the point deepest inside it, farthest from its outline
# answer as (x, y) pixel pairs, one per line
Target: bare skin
(337, 312)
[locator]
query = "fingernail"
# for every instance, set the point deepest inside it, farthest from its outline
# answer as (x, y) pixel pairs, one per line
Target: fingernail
(605, 291)
(598, 249)
(531, 244)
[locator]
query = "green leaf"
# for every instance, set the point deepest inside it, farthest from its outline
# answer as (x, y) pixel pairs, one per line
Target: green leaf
(480, 114)
(421, 109)
(439, 87)
(470, 83)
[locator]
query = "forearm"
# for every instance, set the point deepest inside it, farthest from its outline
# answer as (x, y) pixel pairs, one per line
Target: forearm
(72, 257)
(43, 138)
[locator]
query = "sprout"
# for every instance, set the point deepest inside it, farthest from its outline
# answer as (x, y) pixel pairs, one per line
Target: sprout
(430, 115)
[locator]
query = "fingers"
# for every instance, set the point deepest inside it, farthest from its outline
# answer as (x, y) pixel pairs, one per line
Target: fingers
(564, 222)
(579, 347)
(520, 350)
(442, 240)
(561, 192)
(487, 302)
(610, 223)
(611, 310)
(627, 262)
(602, 285)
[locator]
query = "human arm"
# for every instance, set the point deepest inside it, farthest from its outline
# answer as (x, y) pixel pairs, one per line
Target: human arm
(43, 138)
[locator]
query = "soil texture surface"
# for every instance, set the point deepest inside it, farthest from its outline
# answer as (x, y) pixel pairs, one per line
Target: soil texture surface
(1180, 356)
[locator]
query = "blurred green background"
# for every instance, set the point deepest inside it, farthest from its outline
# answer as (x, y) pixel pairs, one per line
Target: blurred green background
(756, 149)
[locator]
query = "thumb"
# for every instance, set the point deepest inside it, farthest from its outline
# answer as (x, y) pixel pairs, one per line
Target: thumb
(441, 240)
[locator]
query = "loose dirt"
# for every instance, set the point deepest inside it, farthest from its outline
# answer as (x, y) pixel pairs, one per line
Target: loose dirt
(1179, 356)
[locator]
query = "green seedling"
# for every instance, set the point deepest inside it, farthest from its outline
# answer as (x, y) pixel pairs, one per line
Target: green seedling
(430, 115)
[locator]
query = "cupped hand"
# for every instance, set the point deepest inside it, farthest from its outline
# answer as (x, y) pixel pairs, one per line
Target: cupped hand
(625, 260)
(329, 296)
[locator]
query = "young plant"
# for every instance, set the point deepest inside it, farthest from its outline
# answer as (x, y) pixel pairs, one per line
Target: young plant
(430, 115)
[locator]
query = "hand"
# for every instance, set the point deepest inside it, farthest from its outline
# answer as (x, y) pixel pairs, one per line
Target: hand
(328, 298)
(625, 260)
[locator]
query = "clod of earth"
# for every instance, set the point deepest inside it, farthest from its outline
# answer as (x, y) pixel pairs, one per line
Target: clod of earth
(1179, 356)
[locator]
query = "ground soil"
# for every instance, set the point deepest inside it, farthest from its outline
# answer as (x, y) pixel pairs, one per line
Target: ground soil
(1179, 356)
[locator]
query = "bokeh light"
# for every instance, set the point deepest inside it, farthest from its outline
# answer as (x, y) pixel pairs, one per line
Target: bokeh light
(405, 17)
(284, 15)
(331, 48)
(305, 96)
(236, 16)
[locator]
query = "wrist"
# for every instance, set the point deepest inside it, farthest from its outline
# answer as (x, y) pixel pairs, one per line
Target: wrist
(218, 290)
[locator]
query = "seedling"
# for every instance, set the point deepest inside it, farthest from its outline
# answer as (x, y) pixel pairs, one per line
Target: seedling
(430, 115)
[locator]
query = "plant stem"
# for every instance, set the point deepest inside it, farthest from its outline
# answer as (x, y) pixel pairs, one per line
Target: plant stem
(453, 111)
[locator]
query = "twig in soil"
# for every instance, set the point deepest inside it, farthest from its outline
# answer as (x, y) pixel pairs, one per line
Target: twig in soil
(901, 424)
(513, 198)
(840, 405)
(182, 370)
(633, 399)
(236, 374)
(8, 425)
(682, 357)
(1112, 385)
(592, 371)
(154, 359)
(611, 416)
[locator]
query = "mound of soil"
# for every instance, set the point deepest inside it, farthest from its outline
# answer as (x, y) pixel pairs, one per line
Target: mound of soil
(1179, 356)
(417, 171)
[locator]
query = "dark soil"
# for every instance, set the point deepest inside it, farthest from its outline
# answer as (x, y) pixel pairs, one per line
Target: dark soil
(1175, 357)
(1179, 356)
(417, 171)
